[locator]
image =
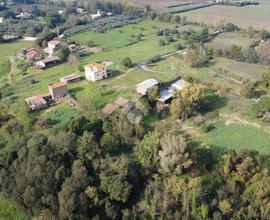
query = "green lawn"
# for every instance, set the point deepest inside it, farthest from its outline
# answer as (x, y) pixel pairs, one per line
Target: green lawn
(238, 137)
(6, 50)
(62, 113)
(4, 69)
(9, 211)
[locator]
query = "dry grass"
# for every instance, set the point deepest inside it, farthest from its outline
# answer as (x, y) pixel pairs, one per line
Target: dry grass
(257, 16)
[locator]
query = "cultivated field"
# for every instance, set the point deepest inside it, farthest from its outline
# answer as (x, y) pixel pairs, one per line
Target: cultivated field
(257, 16)
(158, 5)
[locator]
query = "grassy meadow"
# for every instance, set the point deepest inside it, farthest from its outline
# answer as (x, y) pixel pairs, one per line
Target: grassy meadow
(238, 137)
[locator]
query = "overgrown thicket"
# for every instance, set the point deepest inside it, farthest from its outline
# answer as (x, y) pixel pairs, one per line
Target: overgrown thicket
(106, 168)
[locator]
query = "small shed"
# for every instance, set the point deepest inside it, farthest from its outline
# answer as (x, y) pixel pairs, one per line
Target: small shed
(121, 101)
(109, 109)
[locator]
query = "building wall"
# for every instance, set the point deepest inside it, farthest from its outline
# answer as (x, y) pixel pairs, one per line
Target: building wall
(58, 93)
(95, 74)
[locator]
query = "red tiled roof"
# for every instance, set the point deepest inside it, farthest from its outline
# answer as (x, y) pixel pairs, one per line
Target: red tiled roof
(58, 85)
(109, 108)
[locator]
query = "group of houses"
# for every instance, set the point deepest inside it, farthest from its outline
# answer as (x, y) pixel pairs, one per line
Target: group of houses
(56, 92)
(51, 60)
(93, 72)
(41, 101)
(30, 54)
(133, 109)
(166, 93)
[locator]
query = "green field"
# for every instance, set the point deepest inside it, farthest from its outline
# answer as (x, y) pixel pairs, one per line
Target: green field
(238, 137)
(9, 211)
(7, 50)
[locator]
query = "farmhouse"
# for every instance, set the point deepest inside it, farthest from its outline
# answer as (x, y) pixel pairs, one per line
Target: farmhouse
(31, 54)
(144, 86)
(38, 102)
(49, 61)
(54, 45)
(73, 47)
(94, 72)
(58, 90)
(70, 78)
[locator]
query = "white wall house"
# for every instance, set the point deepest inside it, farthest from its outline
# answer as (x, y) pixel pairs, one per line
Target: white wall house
(96, 71)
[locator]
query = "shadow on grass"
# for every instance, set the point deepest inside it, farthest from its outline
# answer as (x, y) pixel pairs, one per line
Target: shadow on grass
(213, 101)
(75, 90)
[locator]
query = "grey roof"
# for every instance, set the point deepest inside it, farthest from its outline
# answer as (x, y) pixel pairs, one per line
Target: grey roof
(50, 59)
(165, 94)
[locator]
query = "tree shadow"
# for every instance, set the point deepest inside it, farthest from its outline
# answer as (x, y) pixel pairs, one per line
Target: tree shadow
(73, 91)
(212, 101)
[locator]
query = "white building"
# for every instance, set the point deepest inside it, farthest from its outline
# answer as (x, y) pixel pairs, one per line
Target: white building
(23, 15)
(96, 71)
(2, 20)
(99, 14)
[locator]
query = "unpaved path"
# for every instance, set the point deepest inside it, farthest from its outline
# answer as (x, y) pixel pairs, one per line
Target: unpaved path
(11, 69)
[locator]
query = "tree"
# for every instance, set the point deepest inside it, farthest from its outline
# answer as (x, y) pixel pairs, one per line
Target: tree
(110, 143)
(197, 57)
(113, 179)
(179, 47)
(265, 35)
(72, 199)
(174, 155)
(225, 207)
(153, 93)
(187, 101)
(162, 42)
(262, 108)
(266, 78)
(235, 53)
(147, 149)
(63, 53)
(248, 90)
(230, 27)
(127, 62)
(250, 55)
